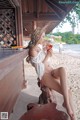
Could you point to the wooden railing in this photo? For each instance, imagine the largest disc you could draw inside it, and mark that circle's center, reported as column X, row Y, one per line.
column 11, row 79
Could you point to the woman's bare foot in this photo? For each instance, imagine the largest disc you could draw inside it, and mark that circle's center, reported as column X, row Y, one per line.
column 70, row 112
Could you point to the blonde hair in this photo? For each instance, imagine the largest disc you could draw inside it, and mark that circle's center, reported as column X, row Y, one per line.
column 35, row 36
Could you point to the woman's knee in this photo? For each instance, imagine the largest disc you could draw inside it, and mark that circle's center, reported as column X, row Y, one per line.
column 61, row 71
column 61, row 68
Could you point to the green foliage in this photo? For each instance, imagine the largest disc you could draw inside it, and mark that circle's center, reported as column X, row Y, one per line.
column 73, row 17
column 77, row 10
column 58, row 40
column 68, row 37
column 47, row 37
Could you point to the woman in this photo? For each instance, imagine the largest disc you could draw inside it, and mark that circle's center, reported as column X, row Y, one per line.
column 55, row 79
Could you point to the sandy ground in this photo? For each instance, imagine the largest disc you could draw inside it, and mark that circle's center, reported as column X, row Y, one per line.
column 31, row 93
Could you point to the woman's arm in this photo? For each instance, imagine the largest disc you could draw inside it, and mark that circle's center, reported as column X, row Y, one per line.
column 31, row 53
column 49, row 54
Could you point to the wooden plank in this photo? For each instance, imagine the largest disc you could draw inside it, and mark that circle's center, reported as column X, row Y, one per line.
column 59, row 6
column 36, row 9
column 11, row 83
column 30, row 5
column 34, row 24
column 41, row 17
column 14, row 3
column 10, row 86
column 17, row 57
column 24, row 6
column 44, row 7
column 54, row 9
column 39, row 7
column 19, row 25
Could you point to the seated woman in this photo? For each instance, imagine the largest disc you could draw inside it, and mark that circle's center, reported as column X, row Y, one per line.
column 54, row 79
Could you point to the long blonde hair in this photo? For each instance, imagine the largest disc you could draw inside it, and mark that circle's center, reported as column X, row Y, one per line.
column 35, row 37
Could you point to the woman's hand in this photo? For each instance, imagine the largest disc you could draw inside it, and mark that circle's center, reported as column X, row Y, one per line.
column 49, row 47
column 28, row 59
column 49, row 52
column 40, row 84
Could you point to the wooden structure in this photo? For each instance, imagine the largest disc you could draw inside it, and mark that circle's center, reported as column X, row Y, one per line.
column 18, row 18
column 11, row 22
column 11, row 79
column 43, row 13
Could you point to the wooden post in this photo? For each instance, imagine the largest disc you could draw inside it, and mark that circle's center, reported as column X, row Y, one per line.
column 34, row 25
column 19, row 25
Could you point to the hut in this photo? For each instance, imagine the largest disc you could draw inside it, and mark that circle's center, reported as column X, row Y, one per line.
column 18, row 18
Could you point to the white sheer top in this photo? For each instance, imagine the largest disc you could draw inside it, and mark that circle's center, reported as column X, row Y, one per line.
column 37, row 62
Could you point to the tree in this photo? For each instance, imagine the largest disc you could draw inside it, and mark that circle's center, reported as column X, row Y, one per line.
column 68, row 37
column 73, row 17
column 77, row 10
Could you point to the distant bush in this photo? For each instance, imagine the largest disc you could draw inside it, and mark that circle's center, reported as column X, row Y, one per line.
column 68, row 37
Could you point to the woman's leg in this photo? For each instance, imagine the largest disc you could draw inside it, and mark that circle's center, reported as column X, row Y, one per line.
column 60, row 72
column 71, row 102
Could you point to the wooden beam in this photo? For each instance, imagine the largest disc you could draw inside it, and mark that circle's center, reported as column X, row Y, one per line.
column 37, row 8
column 19, row 24
column 14, row 3
column 34, row 25
column 54, row 9
column 31, row 16
column 59, row 6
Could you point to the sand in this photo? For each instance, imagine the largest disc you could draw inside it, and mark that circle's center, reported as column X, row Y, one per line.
column 72, row 66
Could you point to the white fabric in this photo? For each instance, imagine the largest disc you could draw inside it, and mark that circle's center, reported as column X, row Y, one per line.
column 40, row 46
column 59, row 100
column 37, row 62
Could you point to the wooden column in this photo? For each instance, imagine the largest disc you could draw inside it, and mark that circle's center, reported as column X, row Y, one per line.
column 34, row 24
column 19, row 25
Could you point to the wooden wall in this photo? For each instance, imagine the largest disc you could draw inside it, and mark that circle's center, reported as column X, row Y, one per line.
column 11, row 80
